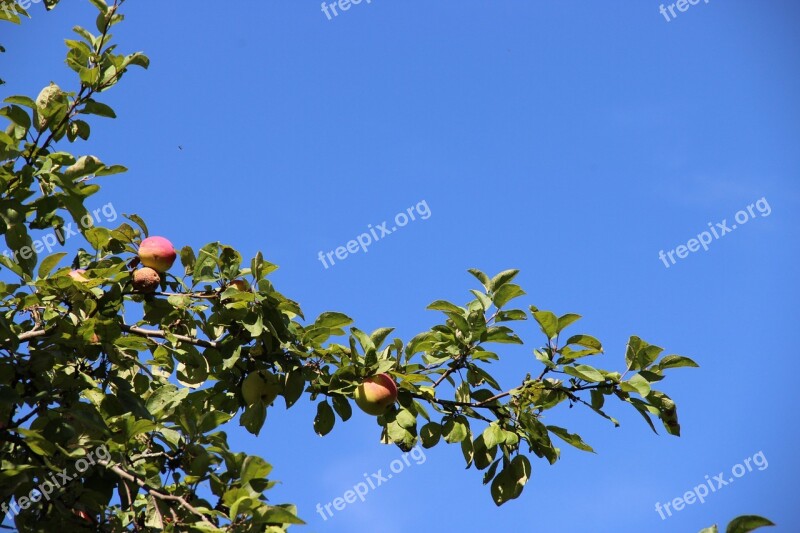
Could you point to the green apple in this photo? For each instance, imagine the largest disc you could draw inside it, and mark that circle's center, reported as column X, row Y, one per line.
column 240, row 284
column 260, row 386
column 376, row 394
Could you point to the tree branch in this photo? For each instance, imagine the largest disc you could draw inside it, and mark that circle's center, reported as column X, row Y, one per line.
column 160, row 334
column 149, row 333
column 155, row 492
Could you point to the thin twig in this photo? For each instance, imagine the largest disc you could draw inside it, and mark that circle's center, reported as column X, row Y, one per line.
column 155, row 492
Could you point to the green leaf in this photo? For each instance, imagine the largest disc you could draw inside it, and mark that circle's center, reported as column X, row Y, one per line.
column 430, row 434
column 511, row 314
column 406, row 419
column 493, row 435
column 278, row 514
column 16, row 114
column 747, row 523
column 484, row 300
column 254, row 468
column 483, row 278
column 570, row 438
column 502, row 335
column 111, row 170
column 93, row 107
column 333, row 320
column 12, row 266
column 100, row 5
column 49, row 263
column 483, row 454
column 639, row 355
column 489, row 475
column 441, row 305
column 468, row 451
column 641, row 407
column 676, row 361
column 566, row 320
column 585, row 372
column 342, row 407
column 206, row 264
column 506, row 293
column 325, row 419
column 508, row 484
column 293, row 387
column 253, row 418
column 18, row 240
column 21, row 100
column 598, row 399
column 502, row 278
column 548, row 322
column 586, row 341
column 187, row 260
column 636, row 383
column 136, row 219
column 165, row 398
column 379, row 336
column 455, row 429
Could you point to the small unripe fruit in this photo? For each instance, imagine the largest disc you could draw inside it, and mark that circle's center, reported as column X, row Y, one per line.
column 260, row 386
column 146, row 280
column 157, row 253
column 240, row 284
column 376, row 394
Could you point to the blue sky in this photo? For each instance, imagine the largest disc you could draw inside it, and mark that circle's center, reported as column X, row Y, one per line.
column 571, row 140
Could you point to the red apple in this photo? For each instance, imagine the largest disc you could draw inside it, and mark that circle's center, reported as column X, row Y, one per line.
column 83, row 515
column 78, row 275
column 157, row 253
column 376, row 394
column 146, row 280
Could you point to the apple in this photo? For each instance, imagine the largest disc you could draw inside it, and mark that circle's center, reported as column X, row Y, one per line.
column 157, row 253
column 83, row 515
column 260, row 386
column 376, row 394
column 78, row 275
column 146, row 280
column 240, row 284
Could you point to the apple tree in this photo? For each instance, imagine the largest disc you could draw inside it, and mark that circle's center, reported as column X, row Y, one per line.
column 213, row 343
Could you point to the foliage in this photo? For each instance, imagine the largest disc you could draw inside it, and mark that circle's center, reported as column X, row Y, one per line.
column 157, row 393
column 741, row 524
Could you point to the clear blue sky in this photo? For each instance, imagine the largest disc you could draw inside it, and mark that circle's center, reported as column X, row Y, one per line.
column 571, row 140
